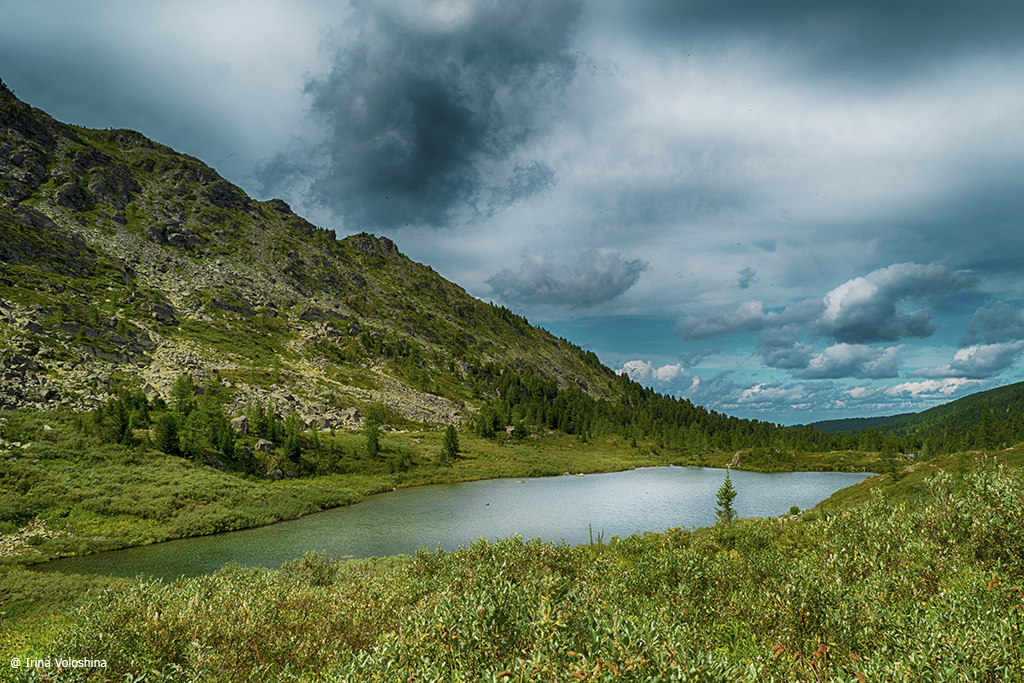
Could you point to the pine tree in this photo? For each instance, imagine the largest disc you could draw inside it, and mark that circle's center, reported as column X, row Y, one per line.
column 372, row 440
column 726, row 494
column 183, row 393
column 450, row 445
column 166, row 433
column 375, row 417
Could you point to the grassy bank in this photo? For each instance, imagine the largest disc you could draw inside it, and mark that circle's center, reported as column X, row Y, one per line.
column 889, row 590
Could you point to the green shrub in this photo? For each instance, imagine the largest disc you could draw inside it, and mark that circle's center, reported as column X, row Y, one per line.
column 16, row 511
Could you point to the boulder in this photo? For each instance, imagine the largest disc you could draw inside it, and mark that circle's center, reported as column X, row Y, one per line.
column 71, row 196
column 241, row 425
column 163, row 313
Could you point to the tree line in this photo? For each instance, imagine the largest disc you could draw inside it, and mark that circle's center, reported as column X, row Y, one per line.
column 526, row 400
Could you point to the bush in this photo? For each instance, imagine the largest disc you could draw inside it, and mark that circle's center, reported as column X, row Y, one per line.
column 312, row 569
column 16, row 511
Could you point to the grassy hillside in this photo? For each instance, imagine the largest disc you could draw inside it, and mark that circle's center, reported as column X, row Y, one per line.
column 1001, row 404
column 855, row 424
column 983, row 409
column 121, row 259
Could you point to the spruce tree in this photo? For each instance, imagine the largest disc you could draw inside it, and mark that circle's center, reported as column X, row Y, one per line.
column 375, row 417
column 372, row 440
column 450, row 445
column 166, row 433
column 726, row 494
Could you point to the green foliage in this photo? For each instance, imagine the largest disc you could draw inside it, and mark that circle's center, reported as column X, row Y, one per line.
column 376, row 414
column 450, row 451
column 15, row 511
column 372, row 440
column 726, row 495
column 375, row 417
column 24, row 592
column 166, row 435
column 183, row 396
column 312, row 569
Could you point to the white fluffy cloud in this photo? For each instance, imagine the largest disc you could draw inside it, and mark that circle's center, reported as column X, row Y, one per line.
column 852, row 360
column 871, row 308
column 863, row 310
column 645, row 372
column 977, row 362
column 945, row 388
column 888, row 304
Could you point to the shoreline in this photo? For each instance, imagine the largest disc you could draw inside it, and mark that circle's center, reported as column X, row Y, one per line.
column 38, row 565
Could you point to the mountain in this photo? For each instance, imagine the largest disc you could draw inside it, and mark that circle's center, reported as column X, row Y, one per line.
column 852, row 425
column 983, row 409
column 123, row 262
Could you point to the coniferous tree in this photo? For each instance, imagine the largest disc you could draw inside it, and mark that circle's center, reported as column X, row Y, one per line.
column 372, row 439
column 726, row 495
column 450, row 446
column 166, row 433
column 116, row 423
column 183, row 393
column 375, row 417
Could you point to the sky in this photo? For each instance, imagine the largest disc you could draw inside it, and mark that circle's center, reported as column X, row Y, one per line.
column 789, row 211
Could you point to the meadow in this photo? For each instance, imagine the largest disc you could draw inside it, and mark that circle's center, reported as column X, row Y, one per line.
column 884, row 591
column 913, row 575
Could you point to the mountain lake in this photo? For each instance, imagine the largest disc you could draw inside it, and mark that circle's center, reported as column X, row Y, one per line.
column 572, row 509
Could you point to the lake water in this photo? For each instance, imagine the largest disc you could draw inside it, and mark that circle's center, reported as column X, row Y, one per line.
column 566, row 508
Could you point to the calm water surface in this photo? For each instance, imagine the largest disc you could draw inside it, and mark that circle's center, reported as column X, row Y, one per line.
column 556, row 509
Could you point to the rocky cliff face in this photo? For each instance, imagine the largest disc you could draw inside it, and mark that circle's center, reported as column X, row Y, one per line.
column 124, row 261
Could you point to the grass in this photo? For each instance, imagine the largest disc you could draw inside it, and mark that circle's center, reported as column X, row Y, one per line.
column 882, row 591
column 915, row 575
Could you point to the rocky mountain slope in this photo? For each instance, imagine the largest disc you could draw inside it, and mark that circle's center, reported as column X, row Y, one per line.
column 122, row 261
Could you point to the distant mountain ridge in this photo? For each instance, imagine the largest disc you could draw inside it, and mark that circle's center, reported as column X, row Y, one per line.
column 855, row 424
column 987, row 420
column 999, row 404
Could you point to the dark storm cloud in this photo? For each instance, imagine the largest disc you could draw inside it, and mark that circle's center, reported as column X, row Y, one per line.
column 747, row 277
column 419, row 107
column 525, row 182
column 597, row 278
column 881, row 39
column 997, row 324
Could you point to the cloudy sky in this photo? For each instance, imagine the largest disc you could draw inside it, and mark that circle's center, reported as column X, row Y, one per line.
column 790, row 211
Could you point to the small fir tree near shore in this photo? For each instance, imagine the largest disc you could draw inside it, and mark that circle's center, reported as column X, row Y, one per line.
column 726, row 494
column 450, row 446
column 375, row 417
